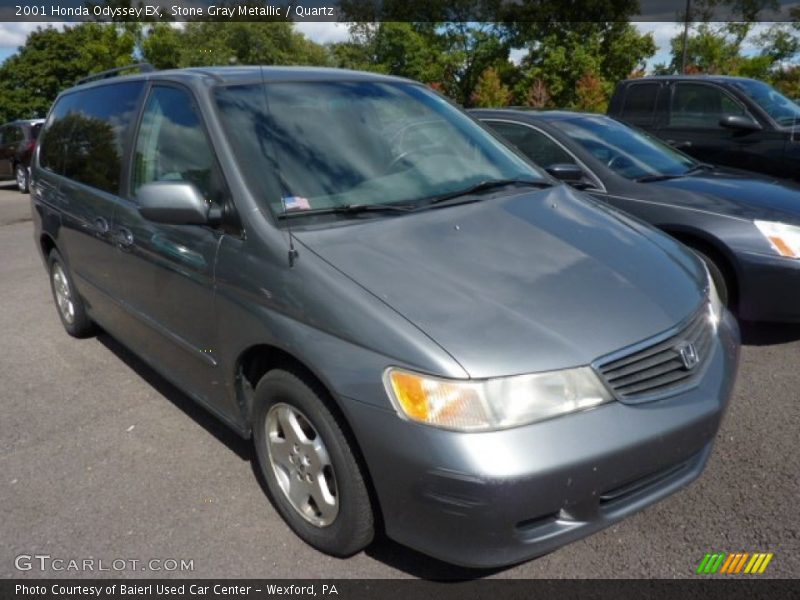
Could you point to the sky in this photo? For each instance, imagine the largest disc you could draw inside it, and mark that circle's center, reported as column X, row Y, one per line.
column 13, row 34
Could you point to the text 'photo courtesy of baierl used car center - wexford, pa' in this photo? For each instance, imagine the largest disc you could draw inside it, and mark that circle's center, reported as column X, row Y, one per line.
column 362, row 299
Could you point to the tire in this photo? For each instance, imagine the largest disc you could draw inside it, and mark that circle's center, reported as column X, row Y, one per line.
column 22, row 177
column 69, row 304
column 291, row 409
column 717, row 276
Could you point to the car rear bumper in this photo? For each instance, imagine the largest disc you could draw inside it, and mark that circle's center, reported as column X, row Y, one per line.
column 769, row 289
column 497, row 498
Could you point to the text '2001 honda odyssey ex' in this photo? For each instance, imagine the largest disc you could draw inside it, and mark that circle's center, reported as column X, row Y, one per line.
column 418, row 327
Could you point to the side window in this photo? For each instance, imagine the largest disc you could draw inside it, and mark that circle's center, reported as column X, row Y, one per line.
column 640, row 103
column 701, row 105
column 172, row 145
column 56, row 135
column 534, row 144
column 85, row 136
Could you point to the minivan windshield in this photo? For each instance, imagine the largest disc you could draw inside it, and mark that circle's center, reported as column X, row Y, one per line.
column 311, row 146
column 625, row 150
column 784, row 111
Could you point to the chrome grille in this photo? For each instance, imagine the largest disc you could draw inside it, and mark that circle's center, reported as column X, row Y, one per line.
column 662, row 366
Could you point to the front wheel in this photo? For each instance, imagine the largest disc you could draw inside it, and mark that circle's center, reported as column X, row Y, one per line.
column 309, row 466
column 23, row 178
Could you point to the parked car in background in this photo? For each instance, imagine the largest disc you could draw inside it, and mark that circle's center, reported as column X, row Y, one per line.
column 417, row 326
column 17, row 140
column 744, row 226
column 733, row 121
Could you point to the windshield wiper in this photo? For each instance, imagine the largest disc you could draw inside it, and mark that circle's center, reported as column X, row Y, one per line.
column 347, row 209
column 486, row 185
column 664, row 176
column 699, row 167
column 659, row 177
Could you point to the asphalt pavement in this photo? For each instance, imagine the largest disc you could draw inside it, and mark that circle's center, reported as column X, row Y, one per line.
column 102, row 460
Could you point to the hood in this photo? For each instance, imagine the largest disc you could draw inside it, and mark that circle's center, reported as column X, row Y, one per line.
column 740, row 194
column 523, row 283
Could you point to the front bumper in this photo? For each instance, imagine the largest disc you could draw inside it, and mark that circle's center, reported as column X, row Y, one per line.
column 769, row 288
column 496, row 498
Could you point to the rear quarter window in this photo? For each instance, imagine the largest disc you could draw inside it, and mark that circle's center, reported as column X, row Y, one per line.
column 85, row 135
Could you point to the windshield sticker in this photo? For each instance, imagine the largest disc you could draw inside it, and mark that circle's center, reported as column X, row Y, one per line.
column 296, row 203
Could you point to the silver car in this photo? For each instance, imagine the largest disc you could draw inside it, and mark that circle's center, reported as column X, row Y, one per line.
column 416, row 326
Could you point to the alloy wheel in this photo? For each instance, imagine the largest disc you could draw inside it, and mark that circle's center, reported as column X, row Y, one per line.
column 63, row 294
column 301, row 464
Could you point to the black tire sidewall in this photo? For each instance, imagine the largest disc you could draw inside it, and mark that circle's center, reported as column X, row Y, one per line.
column 353, row 528
column 717, row 275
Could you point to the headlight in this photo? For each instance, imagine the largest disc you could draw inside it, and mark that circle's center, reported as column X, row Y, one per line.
column 784, row 239
column 479, row 405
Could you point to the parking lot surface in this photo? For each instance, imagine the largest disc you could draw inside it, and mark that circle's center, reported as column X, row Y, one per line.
column 101, row 459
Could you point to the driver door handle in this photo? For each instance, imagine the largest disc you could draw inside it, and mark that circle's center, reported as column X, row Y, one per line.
column 101, row 225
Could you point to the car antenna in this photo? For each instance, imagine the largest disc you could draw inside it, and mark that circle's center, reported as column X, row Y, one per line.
column 293, row 254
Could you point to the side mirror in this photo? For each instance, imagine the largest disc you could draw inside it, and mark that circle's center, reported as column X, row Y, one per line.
column 174, row 203
column 739, row 122
column 566, row 172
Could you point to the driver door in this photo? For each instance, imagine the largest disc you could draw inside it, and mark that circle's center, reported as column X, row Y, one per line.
column 693, row 125
column 167, row 271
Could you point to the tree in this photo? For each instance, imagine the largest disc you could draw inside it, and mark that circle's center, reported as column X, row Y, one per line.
column 718, row 47
column 537, row 95
column 490, row 91
column 452, row 54
column 403, row 49
column 591, row 93
column 52, row 60
column 469, row 49
column 565, row 52
column 206, row 43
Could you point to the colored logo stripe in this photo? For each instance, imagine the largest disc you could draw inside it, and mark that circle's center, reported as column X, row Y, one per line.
column 735, row 563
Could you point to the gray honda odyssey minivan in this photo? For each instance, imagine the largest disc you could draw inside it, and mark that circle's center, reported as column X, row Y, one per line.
column 420, row 330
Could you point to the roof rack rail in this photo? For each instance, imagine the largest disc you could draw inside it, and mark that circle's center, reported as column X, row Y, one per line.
column 143, row 68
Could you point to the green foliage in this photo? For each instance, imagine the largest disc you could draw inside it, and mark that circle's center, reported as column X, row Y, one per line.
column 51, row 60
column 468, row 50
column 566, row 52
column 572, row 53
column 788, row 82
column 715, row 48
column 490, row 91
column 402, row 49
column 451, row 55
column 591, row 93
column 205, row 43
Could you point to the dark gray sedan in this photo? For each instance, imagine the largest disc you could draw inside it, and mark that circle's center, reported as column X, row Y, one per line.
column 745, row 226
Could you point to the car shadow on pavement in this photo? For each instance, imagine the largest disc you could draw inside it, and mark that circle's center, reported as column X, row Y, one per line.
column 420, row 565
column 768, row 334
column 241, row 447
column 382, row 549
